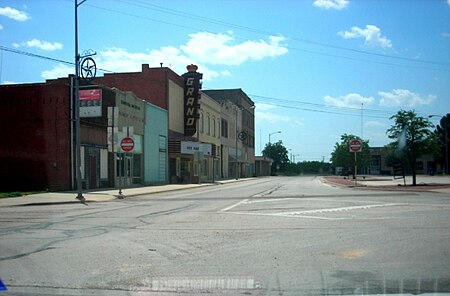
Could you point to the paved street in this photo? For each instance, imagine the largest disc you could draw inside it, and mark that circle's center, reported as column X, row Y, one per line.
column 269, row 236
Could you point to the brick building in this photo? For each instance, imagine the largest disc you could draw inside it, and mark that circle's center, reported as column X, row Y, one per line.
column 164, row 88
column 35, row 129
column 40, row 152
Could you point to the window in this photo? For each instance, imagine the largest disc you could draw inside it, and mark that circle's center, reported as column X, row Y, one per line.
column 201, row 123
column 224, row 129
column 213, row 127
column 207, row 127
column 218, row 129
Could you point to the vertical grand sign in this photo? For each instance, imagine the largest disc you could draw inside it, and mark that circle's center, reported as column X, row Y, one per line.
column 192, row 86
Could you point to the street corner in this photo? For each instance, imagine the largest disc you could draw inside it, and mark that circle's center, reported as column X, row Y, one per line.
column 341, row 181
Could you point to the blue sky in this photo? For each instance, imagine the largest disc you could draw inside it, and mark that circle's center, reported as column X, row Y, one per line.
column 315, row 69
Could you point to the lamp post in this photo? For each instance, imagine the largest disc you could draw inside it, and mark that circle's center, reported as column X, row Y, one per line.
column 277, row 132
column 445, row 140
column 77, row 108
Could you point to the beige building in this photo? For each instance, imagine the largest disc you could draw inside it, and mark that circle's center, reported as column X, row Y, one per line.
column 209, row 132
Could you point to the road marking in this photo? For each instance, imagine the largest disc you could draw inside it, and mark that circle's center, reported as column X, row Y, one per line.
column 232, row 206
column 304, row 214
column 268, row 200
column 342, row 209
column 285, row 215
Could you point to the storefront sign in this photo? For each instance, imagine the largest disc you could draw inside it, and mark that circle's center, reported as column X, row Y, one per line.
column 192, row 86
column 90, row 102
column 194, row 147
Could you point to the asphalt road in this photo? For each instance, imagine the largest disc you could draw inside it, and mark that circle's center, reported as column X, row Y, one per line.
column 271, row 236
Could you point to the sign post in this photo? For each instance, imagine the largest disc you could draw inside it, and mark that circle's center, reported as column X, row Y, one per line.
column 126, row 145
column 355, row 146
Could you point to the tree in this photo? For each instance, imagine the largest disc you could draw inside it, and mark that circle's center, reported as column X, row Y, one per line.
column 412, row 138
column 443, row 136
column 278, row 153
column 342, row 157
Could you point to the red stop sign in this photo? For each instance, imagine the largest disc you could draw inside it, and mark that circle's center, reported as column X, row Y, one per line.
column 355, row 146
column 127, row 144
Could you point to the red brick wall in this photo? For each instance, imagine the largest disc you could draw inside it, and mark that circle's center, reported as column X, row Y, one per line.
column 151, row 84
column 34, row 136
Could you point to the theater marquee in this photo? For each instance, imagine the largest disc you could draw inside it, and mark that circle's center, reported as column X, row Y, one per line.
column 192, row 86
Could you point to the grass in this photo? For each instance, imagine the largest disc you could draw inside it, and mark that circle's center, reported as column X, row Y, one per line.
column 18, row 193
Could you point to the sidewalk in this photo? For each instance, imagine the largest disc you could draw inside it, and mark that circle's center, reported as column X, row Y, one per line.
column 424, row 183
column 100, row 195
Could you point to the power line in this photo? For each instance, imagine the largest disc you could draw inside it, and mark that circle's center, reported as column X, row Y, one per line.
column 321, row 108
column 175, row 12
column 263, row 99
column 25, row 53
column 324, row 111
column 33, row 55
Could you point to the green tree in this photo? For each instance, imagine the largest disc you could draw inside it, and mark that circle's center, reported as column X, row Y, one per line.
column 278, row 153
column 442, row 133
column 412, row 138
column 342, row 157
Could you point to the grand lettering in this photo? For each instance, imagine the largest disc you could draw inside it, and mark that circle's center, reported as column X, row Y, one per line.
column 191, row 95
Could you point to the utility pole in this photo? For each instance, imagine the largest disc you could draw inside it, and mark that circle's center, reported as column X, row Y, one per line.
column 77, row 109
column 236, row 147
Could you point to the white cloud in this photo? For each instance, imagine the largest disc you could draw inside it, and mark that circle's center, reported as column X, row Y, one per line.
column 120, row 60
column 212, row 53
column 264, row 107
column 60, row 70
column 43, row 45
column 9, row 82
column 271, row 117
column 14, row 14
column 374, row 123
column 371, row 34
column 404, row 97
column 217, row 49
column 332, row 4
column 1, row 27
column 352, row 100
column 298, row 122
column 448, row 2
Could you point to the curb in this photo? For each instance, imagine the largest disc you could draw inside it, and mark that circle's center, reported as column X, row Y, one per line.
column 391, row 188
column 116, row 196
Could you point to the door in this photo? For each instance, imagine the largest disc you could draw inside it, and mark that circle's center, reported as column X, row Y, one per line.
column 92, row 172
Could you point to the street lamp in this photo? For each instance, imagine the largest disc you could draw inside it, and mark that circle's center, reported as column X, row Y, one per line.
column 445, row 140
column 77, row 108
column 277, row 132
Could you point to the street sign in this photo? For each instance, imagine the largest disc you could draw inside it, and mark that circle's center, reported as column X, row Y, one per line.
column 355, row 146
column 127, row 144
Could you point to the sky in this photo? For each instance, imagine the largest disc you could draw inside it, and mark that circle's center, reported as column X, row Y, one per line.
column 315, row 69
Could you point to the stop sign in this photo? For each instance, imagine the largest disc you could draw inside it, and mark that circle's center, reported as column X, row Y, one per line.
column 127, row 144
column 355, row 146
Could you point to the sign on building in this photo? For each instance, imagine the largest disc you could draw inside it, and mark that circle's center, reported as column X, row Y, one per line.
column 195, row 147
column 90, row 102
column 192, row 86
